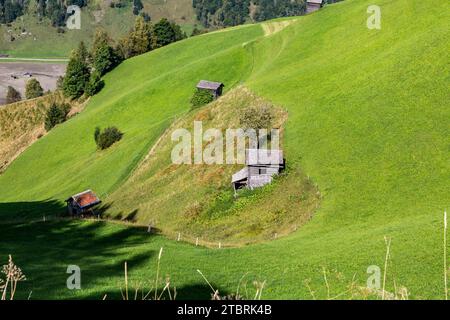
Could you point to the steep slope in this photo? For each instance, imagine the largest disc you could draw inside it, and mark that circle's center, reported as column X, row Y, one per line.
column 368, row 120
column 22, row 123
column 199, row 201
column 136, row 100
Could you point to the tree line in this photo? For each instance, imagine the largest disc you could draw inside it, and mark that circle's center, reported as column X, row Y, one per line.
column 10, row 10
column 223, row 13
column 85, row 68
column 54, row 10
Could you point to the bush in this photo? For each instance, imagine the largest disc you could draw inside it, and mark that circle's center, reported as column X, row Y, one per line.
column 96, row 134
column 33, row 89
column 94, row 85
column 201, row 97
column 56, row 114
column 106, row 138
column 12, row 95
column 256, row 117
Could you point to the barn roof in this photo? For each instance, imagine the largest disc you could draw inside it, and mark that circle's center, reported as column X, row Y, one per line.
column 85, row 199
column 240, row 175
column 314, row 1
column 264, row 157
column 210, row 85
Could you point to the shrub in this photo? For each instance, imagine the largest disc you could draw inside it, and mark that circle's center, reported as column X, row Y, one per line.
column 201, row 97
column 33, row 89
column 56, row 114
column 94, row 85
column 96, row 134
column 106, row 138
column 12, row 95
column 256, row 117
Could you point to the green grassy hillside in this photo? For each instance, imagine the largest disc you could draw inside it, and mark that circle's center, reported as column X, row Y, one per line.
column 45, row 42
column 198, row 201
column 368, row 121
column 138, row 103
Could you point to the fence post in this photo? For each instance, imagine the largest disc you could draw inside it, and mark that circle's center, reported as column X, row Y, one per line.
column 179, row 236
column 196, row 242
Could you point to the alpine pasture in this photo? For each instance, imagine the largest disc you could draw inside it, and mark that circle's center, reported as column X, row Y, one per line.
column 368, row 122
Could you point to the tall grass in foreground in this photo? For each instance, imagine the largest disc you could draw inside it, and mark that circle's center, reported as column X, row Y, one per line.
column 161, row 290
column 13, row 274
column 400, row 293
column 153, row 293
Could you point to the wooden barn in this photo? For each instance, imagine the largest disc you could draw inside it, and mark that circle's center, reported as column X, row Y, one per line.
column 82, row 202
column 261, row 166
column 214, row 87
column 313, row 5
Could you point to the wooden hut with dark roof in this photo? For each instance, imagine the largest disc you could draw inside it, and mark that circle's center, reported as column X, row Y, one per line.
column 313, row 5
column 214, row 87
column 261, row 166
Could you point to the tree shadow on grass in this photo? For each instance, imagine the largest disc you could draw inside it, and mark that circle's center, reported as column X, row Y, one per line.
column 14, row 211
column 44, row 250
column 190, row 292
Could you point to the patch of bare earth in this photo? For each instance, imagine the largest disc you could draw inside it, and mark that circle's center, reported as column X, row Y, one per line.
column 16, row 74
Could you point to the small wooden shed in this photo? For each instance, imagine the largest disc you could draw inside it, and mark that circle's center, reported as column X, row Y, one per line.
column 261, row 166
column 313, row 5
column 214, row 87
column 82, row 202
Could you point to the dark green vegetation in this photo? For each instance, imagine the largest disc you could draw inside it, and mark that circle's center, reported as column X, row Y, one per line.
column 368, row 122
column 56, row 114
column 145, row 37
column 77, row 74
column 201, row 98
column 10, row 10
column 94, row 85
column 33, row 89
column 85, row 69
column 12, row 95
column 236, row 12
column 107, row 137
